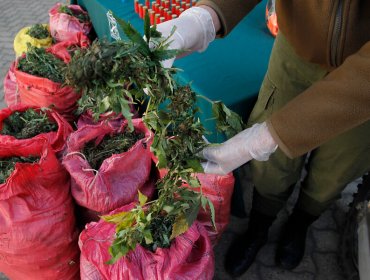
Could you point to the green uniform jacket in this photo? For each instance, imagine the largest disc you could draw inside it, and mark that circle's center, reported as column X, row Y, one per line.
column 334, row 34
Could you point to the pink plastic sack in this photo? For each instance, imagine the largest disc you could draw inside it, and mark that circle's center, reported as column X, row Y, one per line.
column 189, row 257
column 113, row 118
column 120, row 176
column 11, row 94
column 64, row 27
column 38, row 237
column 64, row 49
column 218, row 189
column 85, row 215
column 87, row 119
column 56, row 139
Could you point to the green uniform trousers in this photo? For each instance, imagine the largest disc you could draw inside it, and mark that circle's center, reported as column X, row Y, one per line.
column 329, row 168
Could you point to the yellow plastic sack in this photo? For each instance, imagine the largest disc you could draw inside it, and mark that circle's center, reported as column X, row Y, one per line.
column 22, row 38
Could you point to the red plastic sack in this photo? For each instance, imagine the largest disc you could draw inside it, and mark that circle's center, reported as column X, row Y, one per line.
column 63, row 49
column 218, row 189
column 11, row 94
column 42, row 92
column 120, row 176
column 38, row 237
column 64, row 27
column 56, row 139
column 85, row 216
column 87, row 119
column 189, row 257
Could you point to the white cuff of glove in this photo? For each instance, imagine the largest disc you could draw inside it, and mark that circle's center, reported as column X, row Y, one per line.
column 264, row 145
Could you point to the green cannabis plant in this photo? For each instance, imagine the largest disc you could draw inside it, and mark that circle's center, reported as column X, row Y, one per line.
column 40, row 63
column 177, row 139
column 38, row 31
column 113, row 75
column 111, row 144
column 27, row 124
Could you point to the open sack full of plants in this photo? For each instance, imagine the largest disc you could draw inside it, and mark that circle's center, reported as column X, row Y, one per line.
column 67, row 21
column 40, row 78
column 37, row 35
column 11, row 94
column 109, row 164
column 25, row 125
column 190, row 256
column 38, row 237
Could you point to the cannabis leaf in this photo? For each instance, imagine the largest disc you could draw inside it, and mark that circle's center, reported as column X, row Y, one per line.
column 227, row 121
column 134, row 36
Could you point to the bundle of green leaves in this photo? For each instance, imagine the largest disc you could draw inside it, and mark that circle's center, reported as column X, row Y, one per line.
column 7, row 165
column 82, row 17
column 115, row 74
column 27, row 124
column 40, row 63
column 177, row 139
column 38, row 31
column 227, row 121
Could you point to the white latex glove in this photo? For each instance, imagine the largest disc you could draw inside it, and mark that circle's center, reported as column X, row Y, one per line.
column 255, row 142
column 194, row 31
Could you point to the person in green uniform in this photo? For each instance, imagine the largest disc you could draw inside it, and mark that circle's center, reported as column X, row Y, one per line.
column 313, row 110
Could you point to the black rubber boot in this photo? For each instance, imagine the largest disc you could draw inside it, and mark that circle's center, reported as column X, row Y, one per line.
column 291, row 246
column 244, row 249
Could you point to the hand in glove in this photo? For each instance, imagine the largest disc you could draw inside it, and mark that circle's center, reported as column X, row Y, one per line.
column 194, row 30
column 255, row 142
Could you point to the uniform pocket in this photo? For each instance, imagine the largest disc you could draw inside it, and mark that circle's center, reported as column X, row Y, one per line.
column 265, row 102
column 266, row 94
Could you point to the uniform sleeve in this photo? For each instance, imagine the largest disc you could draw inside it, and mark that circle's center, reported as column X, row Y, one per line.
column 331, row 106
column 230, row 12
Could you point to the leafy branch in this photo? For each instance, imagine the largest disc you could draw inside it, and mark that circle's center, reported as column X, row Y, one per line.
column 115, row 75
column 178, row 136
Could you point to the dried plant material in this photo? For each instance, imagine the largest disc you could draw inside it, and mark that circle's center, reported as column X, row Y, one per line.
column 38, row 31
column 40, row 63
column 27, row 124
column 110, row 145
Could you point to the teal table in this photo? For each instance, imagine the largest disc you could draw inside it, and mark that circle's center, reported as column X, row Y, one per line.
column 230, row 70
